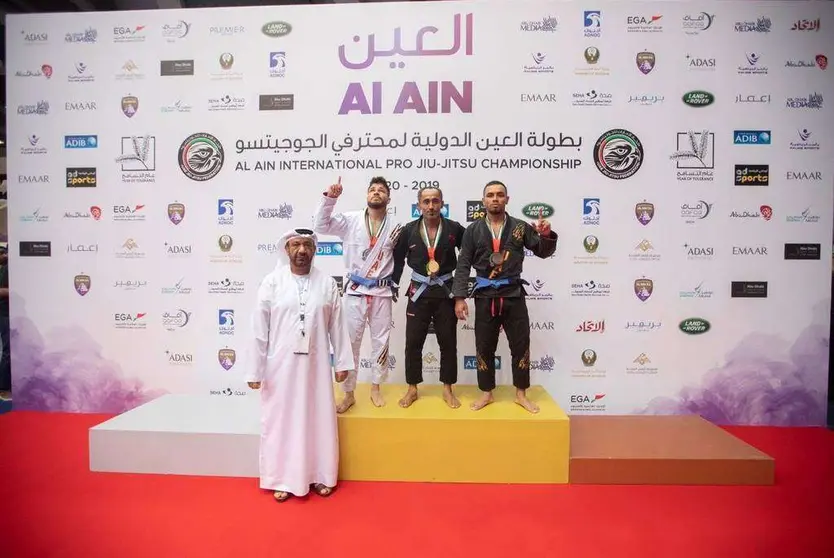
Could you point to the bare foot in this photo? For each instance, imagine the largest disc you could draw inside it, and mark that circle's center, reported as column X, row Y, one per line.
column 409, row 397
column 346, row 403
column 521, row 399
column 449, row 397
column 376, row 396
column 483, row 401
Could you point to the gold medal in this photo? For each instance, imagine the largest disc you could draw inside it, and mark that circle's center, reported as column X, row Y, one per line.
column 433, row 267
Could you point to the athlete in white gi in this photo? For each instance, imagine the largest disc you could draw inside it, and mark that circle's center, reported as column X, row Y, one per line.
column 368, row 238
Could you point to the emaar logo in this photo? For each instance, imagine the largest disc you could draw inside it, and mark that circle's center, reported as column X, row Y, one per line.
column 751, row 137
column 470, row 362
column 415, row 210
column 80, row 142
column 329, row 249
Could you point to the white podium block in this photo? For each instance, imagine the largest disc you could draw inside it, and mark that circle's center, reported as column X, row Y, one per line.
column 200, row 435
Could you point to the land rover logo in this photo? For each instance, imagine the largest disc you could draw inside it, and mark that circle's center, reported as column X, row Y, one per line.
column 532, row 210
column 694, row 326
column 276, row 29
column 698, row 98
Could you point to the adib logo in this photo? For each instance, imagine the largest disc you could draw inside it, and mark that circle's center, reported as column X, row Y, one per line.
column 329, row 249
column 80, row 142
column 751, row 137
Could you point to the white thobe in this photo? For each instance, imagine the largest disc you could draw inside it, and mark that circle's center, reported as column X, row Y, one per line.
column 299, row 435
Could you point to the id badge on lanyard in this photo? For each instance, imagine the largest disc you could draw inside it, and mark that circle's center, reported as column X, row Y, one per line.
column 302, row 336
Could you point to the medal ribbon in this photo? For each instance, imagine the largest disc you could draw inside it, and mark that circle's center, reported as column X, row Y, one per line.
column 496, row 239
column 431, row 246
column 374, row 235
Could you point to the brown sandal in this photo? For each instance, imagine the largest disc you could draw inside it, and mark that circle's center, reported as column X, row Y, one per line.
column 281, row 496
column 322, row 490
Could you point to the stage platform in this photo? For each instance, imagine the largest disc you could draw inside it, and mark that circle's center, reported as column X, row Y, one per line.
column 662, row 450
column 429, row 442
column 502, row 443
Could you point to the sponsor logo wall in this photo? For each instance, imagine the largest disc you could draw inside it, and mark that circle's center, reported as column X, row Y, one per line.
column 683, row 152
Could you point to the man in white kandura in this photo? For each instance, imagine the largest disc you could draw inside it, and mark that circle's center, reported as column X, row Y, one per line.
column 368, row 238
column 297, row 319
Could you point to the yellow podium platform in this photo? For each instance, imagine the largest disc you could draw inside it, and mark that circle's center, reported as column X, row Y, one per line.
column 429, row 442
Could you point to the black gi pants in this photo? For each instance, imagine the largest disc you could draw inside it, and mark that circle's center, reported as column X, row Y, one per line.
column 418, row 317
column 490, row 315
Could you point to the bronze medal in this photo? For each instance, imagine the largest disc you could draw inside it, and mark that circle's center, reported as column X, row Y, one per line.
column 496, row 258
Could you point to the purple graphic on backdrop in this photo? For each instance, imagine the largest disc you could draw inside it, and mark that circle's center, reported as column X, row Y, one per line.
column 432, row 98
column 763, row 382
column 64, row 370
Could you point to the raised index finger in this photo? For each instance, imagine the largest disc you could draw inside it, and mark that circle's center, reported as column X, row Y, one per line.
column 339, row 182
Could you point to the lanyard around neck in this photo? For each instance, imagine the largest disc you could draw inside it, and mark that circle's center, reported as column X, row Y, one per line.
column 303, row 295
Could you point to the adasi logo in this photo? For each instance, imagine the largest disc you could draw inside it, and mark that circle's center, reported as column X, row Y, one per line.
column 694, row 326
column 536, row 210
column 618, row 154
column 698, row 98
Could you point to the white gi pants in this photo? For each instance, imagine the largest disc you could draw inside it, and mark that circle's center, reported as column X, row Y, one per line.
column 376, row 311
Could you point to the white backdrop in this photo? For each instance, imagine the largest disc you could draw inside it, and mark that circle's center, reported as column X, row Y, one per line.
column 156, row 156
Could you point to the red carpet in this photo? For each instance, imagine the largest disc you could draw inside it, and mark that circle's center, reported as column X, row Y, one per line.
column 52, row 506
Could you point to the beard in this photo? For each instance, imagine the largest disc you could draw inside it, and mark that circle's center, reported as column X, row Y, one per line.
column 302, row 261
column 376, row 204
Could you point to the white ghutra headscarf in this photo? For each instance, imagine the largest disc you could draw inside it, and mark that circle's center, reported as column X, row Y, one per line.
column 283, row 258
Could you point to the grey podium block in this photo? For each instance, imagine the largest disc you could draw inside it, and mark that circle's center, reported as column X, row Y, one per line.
column 202, row 435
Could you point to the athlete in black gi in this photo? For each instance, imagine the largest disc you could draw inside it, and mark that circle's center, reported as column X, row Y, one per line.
column 494, row 246
column 428, row 244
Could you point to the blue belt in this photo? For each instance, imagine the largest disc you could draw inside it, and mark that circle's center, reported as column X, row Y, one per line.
column 483, row 282
column 429, row 282
column 366, row 282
